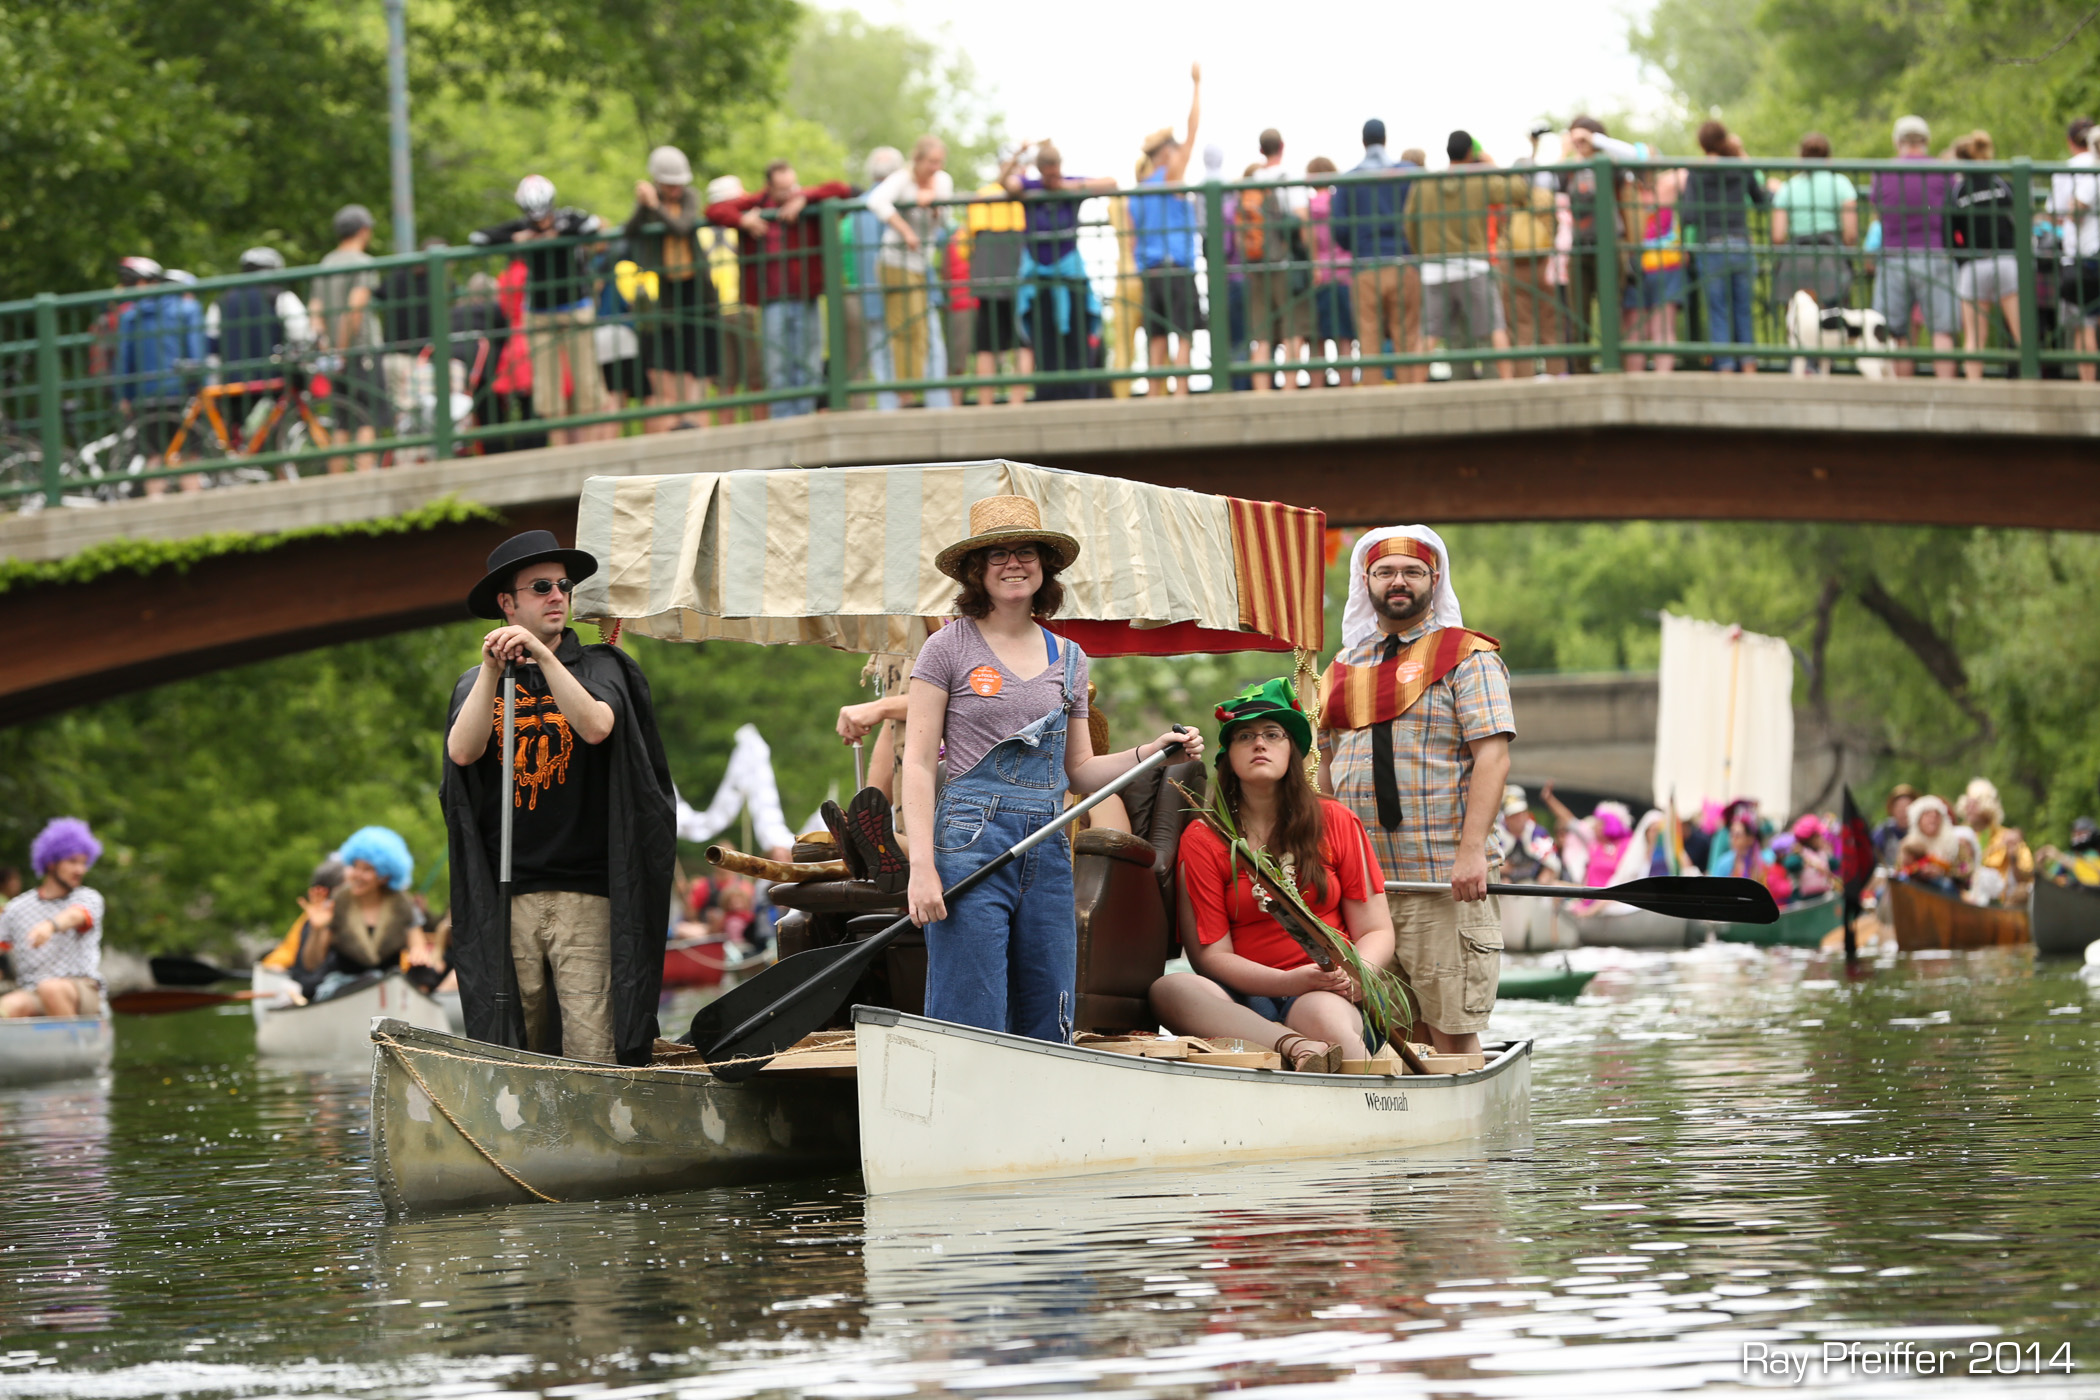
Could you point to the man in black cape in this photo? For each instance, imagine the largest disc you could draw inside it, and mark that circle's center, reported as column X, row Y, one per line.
column 576, row 968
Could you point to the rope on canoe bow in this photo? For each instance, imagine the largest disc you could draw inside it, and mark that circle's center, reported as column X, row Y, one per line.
column 401, row 1055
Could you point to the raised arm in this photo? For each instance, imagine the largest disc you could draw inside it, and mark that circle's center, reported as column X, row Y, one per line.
column 1178, row 166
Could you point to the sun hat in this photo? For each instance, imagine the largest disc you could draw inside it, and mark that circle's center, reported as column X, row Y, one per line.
column 1005, row 520
column 668, row 166
column 1271, row 699
column 1514, row 799
column 514, row 554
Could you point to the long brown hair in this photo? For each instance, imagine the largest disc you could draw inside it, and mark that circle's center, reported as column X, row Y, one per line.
column 975, row 600
column 1300, row 828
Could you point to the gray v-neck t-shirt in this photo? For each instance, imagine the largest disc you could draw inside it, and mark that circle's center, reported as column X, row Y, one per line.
column 987, row 702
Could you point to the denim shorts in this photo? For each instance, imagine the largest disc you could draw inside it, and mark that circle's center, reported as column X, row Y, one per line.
column 1907, row 279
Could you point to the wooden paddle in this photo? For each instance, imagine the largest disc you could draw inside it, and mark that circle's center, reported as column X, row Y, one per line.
column 159, row 1001
column 189, row 972
column 1724, row 899
column 758, row 1019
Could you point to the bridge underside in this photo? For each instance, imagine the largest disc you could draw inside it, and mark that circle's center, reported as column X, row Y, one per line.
column 1688, row 448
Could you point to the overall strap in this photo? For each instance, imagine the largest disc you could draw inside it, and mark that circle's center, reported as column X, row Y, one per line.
column 1071, row 669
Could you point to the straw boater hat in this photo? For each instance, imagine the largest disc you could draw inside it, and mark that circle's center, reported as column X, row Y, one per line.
column 1005, row 521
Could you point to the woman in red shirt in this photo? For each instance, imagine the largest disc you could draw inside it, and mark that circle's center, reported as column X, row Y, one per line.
column 1252, row 979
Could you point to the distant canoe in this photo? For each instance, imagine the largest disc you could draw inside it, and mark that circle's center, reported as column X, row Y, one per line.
column 1803, row 925
column 2063, row 918
column 46, row 1049
column 1925, row 918
column 693, row 962
column 577, row 1131
column 1542, row 983
column 1534, row 925
column 1639, row 928
column 339, row 1030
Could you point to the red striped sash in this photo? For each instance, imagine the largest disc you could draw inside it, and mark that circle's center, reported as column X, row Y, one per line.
column 1352, row 697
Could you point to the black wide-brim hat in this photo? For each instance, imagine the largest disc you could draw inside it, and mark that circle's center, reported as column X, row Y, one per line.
column 532, row 547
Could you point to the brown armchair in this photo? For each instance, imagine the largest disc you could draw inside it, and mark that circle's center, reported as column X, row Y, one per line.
column 1123, row 887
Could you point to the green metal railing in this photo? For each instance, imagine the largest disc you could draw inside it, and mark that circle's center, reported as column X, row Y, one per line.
column 1208, row 288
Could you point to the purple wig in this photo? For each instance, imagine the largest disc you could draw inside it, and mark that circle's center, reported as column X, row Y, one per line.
column 63, row 837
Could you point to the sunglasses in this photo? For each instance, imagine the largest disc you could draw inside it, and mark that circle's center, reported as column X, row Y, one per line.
column 544, row 586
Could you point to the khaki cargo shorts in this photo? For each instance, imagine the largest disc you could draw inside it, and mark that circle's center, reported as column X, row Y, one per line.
column 1450, row 956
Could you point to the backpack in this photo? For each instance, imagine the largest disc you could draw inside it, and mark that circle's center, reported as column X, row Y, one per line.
column 1269, row 231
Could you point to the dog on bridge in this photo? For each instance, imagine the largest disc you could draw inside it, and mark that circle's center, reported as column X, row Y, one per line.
column 1810, row 327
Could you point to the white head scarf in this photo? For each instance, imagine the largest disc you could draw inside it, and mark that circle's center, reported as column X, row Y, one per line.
column 1359, row 621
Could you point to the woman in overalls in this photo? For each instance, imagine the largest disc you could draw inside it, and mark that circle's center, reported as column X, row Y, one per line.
column 1008, row 699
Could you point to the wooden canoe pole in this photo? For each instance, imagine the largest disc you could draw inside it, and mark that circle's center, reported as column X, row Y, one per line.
column 781, row 872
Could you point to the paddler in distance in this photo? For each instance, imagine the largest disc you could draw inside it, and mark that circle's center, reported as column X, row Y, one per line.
column 594, row 822
column 1417, row 722
column 1003, row 692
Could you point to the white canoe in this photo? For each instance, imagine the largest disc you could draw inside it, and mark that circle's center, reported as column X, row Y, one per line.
column 947, row 1105
column 1535, row 925
column 45, row 1049
column 339, row 1030
column 1637, row 928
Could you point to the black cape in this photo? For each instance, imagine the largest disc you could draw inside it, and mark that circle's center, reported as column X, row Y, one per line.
column 641, row 846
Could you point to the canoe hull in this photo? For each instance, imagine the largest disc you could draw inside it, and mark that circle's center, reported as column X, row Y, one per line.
column 945, row 1105
column 583, row 1132
column 339, row 1031
column 1926, row 919
column 1640, row 929
column 1542, row 983
column 1535, row 926
column 1803, row 925
column 2062, row 919
column 694, row 965
column 48, row 1049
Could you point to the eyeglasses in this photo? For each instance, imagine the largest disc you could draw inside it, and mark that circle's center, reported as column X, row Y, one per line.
column 1411, row 574
column 1026, row 554
column 544, row 586
column 1267, row 734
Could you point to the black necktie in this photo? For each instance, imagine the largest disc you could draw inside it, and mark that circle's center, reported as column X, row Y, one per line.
column 1383, row 781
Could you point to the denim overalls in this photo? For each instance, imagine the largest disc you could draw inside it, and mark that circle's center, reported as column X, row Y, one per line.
column 1006, row 957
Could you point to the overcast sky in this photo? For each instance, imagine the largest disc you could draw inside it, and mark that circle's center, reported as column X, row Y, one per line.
column 1098, row 74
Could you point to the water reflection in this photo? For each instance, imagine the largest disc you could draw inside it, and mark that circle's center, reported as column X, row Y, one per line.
column 1730, row 1148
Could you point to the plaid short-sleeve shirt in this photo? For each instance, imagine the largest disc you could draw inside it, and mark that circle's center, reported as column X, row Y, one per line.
column 1431, row 763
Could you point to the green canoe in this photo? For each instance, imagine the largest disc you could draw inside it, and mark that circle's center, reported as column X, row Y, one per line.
column 1542, row 983
column 1803, row 925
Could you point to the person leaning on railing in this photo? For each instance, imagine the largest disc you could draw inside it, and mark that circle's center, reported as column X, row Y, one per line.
column 1447, row 222
column 1815, row 217
column 782, row 255
column 1369, row 222
column 1914, row 276
column 560, row 306
column 867, row 326
column 1332, row 317
column 681, row 349
column 1057, row 325
column 2074, row 198
column 1529, row 239
column 1716, row 204
column 1163, row 228
column 914, row 225
column 1984, row 234
column 1586, row 140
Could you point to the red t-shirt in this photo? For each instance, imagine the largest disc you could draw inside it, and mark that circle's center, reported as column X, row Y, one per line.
column 1351, row 872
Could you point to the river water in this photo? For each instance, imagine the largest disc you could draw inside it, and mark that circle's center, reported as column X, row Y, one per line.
column 1735, row 1153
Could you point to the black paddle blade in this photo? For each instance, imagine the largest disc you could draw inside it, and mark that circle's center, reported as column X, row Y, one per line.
column 188, row 972
column 1721, row 900
column 790, row 1000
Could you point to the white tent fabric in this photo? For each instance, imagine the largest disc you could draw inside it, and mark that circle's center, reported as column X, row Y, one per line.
column 749, row 781
column 1724, row 724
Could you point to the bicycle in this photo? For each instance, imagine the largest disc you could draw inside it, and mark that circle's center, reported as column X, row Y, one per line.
column 287, row 417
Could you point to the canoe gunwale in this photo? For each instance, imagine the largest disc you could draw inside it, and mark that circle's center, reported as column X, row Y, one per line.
column 93, row 1042
column 1510, row 1053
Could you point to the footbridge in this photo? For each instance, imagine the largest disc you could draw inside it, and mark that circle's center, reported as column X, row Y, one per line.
column 1692, row 447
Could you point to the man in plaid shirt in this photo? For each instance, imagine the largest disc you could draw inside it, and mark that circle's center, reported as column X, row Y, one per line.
column 1417, row 721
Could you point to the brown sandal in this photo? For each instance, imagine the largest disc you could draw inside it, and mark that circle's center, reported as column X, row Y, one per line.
column 1326, row 1061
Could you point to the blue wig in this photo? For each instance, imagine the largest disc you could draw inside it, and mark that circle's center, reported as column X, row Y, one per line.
column 383, row 849
column 63, row 837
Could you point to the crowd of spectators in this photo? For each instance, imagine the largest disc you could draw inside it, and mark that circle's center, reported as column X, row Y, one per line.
column 1373, row 273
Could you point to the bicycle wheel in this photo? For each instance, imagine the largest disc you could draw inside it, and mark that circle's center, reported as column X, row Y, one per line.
column 21, row 465
column 339, row 416
column 147, row 439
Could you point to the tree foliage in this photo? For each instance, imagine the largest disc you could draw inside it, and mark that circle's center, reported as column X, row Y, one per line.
column 1850, row 67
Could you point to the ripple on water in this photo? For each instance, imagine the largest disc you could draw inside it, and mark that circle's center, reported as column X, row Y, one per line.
column 1734, row 1149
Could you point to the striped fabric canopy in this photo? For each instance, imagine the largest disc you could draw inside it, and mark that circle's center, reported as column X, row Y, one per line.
column 844, row 557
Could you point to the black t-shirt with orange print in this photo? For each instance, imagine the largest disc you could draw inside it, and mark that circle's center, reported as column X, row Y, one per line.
column 558, row 830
